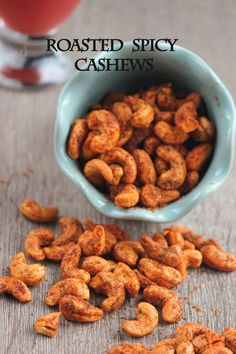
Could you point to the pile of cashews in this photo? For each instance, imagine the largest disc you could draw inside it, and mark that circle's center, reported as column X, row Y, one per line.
column 101, row 258
column 144, row 149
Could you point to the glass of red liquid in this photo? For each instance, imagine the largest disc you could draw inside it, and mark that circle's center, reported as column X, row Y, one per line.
column 25, row 26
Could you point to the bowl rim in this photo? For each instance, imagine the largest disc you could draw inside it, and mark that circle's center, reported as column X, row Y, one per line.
column 172, row 211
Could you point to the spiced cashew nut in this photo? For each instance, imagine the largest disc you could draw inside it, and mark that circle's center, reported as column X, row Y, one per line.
column 36, row 212
column 16, row 288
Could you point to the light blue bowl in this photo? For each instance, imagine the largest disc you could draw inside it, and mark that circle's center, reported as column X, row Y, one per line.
column 185, row 70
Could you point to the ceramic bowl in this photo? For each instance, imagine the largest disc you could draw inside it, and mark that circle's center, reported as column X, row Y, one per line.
column 185, row 70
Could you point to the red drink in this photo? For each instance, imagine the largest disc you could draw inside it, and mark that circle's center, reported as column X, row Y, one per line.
column 35, row 17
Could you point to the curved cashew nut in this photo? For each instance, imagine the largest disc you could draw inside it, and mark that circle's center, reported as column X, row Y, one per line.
column 56, row 253
column 127, row 197
column 171, row 306
column 175, row 176
column 184, row 347
column 190, row 330
column 143, row 112
column 78, row 310
column 143, row 280
column 117, row 231
column 190, row 182
column 97, row 171
column 107, row 130
column 69, row 265
column 48, row 324
column 150, row 144
column 146, row 322
column 70, row 229
column 170, row 134
column 108, row 284
column 217, row 259
column 96, row 264
column 139, row 135
column 128, row 252
column 128, row 278
column 122, row 157
column 123, row 114
column 230, row 338
column 160, row 239
column 198, row 156
column 206, row 130
column 186, row 117
column 128, row 348
column 38, row 213
column 77, row 135
column 160, row 274
column 145, row 168
column 217, row 350
column 160, row 165
column 166, row 346
column 207, row 340
column 117, row 172
column 30, row 274
column 153, row 197
column 69, row 286
column 35, row 240
column 174, row 238
column 16, row 288
column 86, row 152
column 165, row 98
column 92, row 243
column 189, row 258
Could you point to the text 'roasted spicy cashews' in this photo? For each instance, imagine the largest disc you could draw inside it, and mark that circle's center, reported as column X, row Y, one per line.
column 145, row 168
column 123, row 114
column 128, row 348
column 167, row 299
column 152, row 196
column 217, row 259
column 159, row 273
column 16, row 288
column 96, row 264
column 30, row 274
column 35, row 241
column 93, row 242
column 48, row 324
column 186, row 117
column 69, row 286
column 69, row 265
column 170, row 134
column 38, row 213
column 77, row 135
column 198, row 156
column 78, row 310
column 128, row 278
column 127, row 197
column 143, row 112
column 128, row 252
column 122, row 157
column 108, row 284
column 107, row 130
column 175, row 176
column 146, row 321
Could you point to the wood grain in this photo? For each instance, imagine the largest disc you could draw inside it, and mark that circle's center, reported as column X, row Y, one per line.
column 29, row 169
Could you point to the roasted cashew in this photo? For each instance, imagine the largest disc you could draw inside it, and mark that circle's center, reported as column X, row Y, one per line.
column 69, row 286
column 78, row 310
column 128, row 252
column 145, row 168
column 174, row 238
column 170, row 134
column 166, row 346
column 77, row 135
column 186, row 117
column 171, row 306
column 175, row 176
column 128, row 278
column 30, row 274
column 189, row 258
column 206, row 130
column 161, row 166
column 95, row 264
column 56, row 253
column 160, row 274
column 16, row 288
column 184, row 347
column 69, row 265
column 48, row 324
column 160, row 239
column 107, row 130
column 206, row 341
column 117, row 231
column 150, row 144
column 143, row 112
column 111, row 98
column 217, row 350
column 217, row 259
column 146, row 322
column 92, row 243
column 35, row 240
column 230, row 338
column 70, row 229
column 122, row 157
column 128, row 348
column 117, row 172
column 108, row 284
column 123, row 114
column 165, row 97
column 153, row 197
column 128, row 196
column 143, row 280
column 198, row 156
column 139, row 135
column 86, row 152
column 38, row 213
column 188, row 245
column 97, row 171
column 189, row 330
column 190, row 182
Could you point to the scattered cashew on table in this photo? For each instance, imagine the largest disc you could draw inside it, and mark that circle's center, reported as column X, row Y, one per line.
column 101, row 258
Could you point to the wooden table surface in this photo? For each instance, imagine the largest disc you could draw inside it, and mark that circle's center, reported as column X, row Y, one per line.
column 29, row 170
